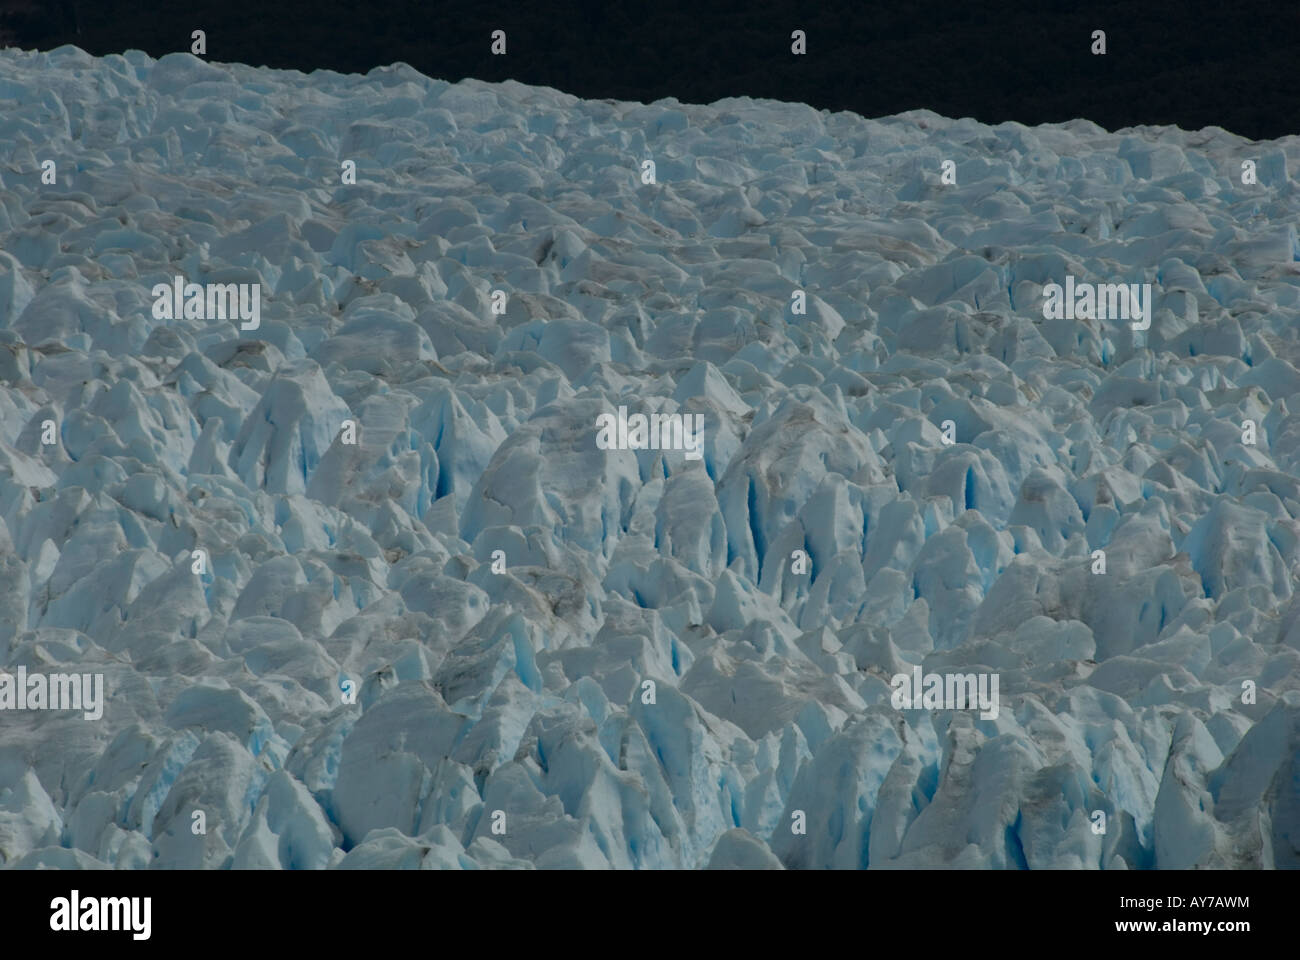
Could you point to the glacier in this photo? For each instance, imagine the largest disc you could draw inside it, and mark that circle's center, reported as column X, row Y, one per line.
column 366, row 592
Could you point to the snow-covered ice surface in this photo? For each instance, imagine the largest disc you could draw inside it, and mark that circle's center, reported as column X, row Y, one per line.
column 522, row 691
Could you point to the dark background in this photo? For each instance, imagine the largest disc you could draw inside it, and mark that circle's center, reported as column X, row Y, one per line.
column 1192, row 63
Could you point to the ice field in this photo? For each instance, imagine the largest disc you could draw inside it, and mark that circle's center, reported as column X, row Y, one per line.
column 364, row 589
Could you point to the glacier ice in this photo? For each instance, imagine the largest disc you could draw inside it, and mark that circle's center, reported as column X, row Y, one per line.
column 475, row 639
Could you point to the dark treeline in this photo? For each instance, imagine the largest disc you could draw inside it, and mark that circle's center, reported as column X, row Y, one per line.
column 1192, row 63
